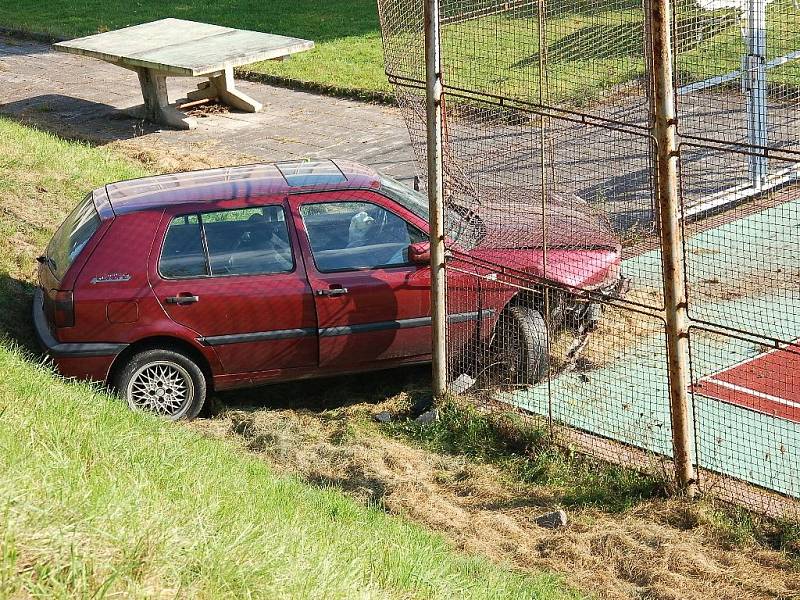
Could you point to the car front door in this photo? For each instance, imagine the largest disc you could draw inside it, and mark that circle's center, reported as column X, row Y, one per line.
column 235, row 279
column 372, row 303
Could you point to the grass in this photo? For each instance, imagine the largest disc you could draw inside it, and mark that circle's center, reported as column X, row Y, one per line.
column 736, row 527
column 590, row 48
column 523, row 447
column 98, row 501
column 463, row 477
column 518, row 445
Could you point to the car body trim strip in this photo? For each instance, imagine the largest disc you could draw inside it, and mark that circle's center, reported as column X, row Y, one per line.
column 286, row 334
column 258, row 336
column 400, row 324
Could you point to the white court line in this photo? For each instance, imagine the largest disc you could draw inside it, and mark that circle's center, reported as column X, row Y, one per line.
column 793, row 347
column 719, row 79
column 739, row 388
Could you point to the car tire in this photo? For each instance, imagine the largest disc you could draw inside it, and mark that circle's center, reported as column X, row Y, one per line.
column 165, row 382
column 521, row 344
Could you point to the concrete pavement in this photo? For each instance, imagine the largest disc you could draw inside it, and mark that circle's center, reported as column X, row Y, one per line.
column 81, row 97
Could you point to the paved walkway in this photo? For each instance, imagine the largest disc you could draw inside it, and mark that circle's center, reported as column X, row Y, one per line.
column 81, row 97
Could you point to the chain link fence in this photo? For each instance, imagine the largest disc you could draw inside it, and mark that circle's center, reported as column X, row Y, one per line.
column 552, row 223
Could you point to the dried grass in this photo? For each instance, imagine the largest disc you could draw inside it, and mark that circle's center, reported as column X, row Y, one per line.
column 620, row 331
column 163, row 157
column 661, row 549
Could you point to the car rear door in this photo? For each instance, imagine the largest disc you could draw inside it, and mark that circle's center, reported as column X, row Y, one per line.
column 372, row 304
column 233, row 277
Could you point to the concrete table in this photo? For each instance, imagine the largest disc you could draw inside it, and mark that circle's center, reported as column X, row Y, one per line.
column 179, row 48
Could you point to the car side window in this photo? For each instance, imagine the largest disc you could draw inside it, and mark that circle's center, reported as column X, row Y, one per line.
column 348, row 236
column 182, row 254
column 250, row 241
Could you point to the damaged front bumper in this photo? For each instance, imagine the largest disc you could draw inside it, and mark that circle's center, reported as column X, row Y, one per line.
column 618, row 289
column 583, row 314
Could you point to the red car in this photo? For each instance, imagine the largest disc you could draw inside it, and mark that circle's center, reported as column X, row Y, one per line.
column 168, row 287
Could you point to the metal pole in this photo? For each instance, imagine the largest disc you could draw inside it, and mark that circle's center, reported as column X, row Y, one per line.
column 433, row 110
column 754, row 76
column 665, row 131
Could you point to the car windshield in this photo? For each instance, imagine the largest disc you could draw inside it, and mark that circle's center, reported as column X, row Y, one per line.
column 411, row 199
column 460, row 224
column 71, row 238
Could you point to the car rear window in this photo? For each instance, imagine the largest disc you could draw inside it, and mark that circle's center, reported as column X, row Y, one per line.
column 72, row 237
column 301, row 173
column 183, row 254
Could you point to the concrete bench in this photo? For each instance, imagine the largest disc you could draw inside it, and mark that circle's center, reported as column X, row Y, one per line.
column 179, row 48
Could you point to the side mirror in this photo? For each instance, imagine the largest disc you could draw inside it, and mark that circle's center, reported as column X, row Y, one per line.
column 420, row 253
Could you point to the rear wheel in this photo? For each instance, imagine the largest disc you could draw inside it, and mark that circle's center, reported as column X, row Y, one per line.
column 521, row 345
column 165, row 382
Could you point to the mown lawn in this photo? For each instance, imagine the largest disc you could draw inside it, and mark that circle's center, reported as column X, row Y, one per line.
column 97, row 501
column 590, row 47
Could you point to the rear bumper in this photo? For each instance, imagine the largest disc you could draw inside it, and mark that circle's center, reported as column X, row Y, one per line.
column 83, row 360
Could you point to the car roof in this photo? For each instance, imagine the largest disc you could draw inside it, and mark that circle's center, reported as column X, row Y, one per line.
column 228, row 183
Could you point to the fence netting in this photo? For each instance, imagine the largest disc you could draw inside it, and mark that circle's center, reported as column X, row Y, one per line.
column 552, row 224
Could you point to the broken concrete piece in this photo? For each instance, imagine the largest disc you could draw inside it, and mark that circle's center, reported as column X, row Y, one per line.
column 383, row 417
column 552, row 520
column 427, row 417
column 461, row 384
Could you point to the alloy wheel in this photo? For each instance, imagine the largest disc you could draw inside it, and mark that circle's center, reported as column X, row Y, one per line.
column 162, row 387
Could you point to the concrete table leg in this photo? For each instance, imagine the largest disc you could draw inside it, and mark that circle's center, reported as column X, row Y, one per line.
column 223, row 87
column 156, row 104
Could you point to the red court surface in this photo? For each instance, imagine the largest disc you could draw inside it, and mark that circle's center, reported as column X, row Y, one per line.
column 768, row 383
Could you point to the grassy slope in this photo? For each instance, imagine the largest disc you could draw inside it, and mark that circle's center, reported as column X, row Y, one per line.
column 622, row 541
column 95, row 499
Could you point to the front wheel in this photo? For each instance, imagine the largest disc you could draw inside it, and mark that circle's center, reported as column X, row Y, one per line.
column 165, row 382
column 521, row 345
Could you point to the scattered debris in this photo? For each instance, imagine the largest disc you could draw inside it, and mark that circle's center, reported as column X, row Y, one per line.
column 383, row 417
column 462, row 383
column 427, row 417
column 552, row 520
column 242, row 424
column 421, row 406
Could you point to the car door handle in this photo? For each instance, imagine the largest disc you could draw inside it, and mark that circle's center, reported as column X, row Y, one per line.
column 339, row 291
column 183, row 299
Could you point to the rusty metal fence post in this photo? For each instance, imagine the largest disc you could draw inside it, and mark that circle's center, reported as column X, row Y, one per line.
column 433, row 110
column 675, row 301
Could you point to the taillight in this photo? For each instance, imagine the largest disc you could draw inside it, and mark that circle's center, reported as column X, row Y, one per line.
column 63, row 309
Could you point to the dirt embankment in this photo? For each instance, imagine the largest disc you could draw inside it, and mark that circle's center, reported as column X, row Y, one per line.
column 661, row 549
